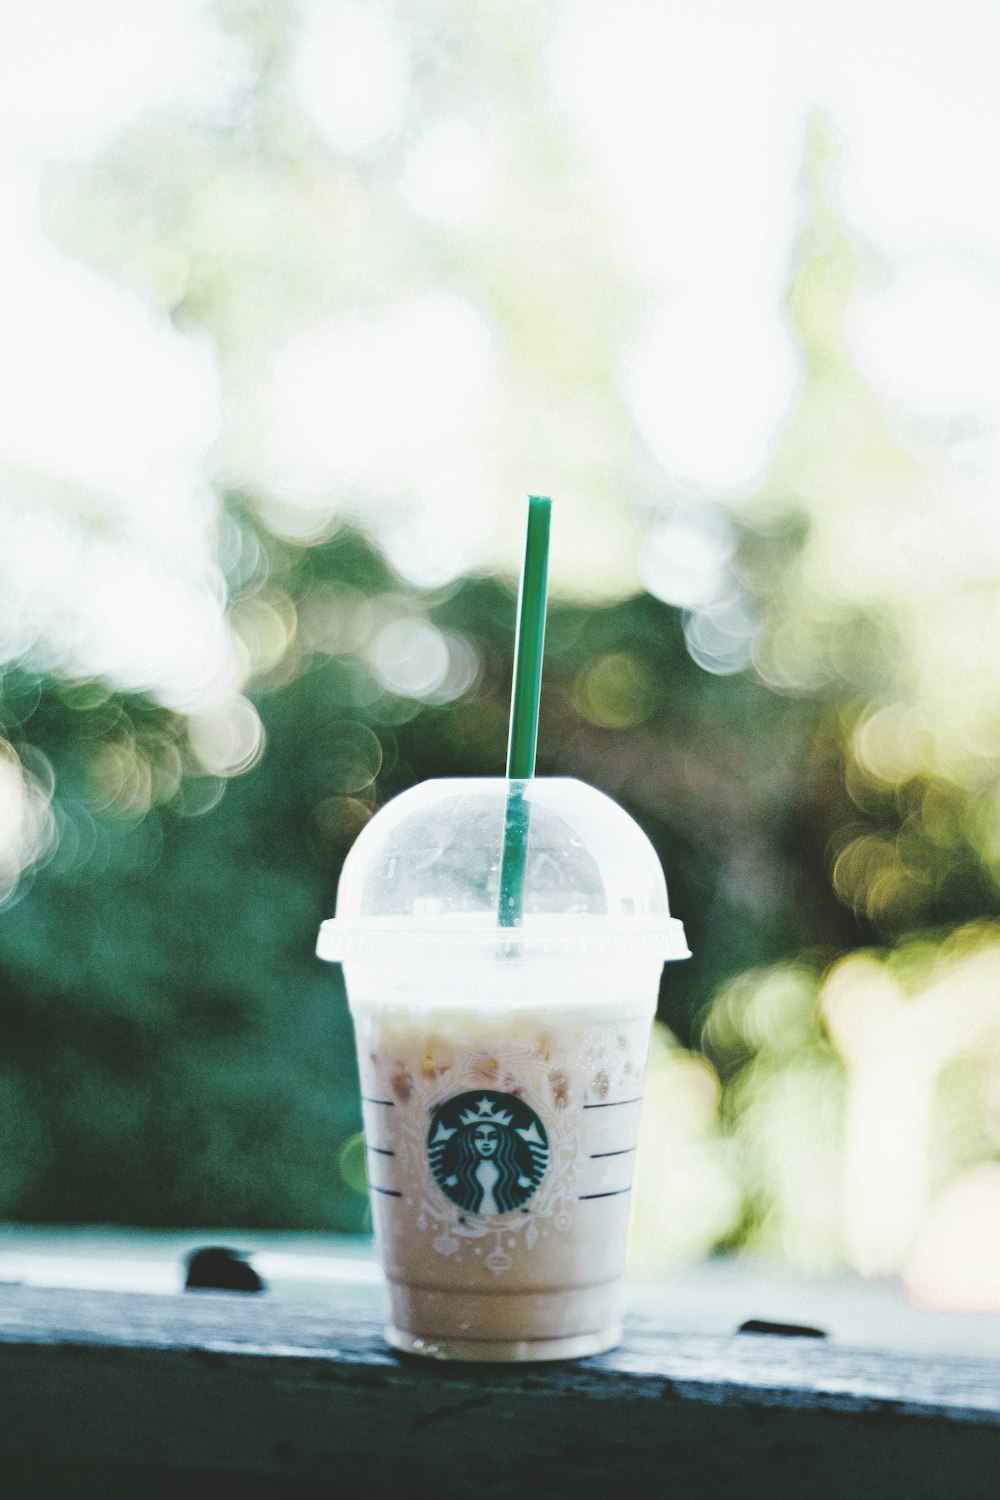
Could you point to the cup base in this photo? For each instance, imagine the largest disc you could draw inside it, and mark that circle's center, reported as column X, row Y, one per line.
column 504, row 1351
column 509, row 1326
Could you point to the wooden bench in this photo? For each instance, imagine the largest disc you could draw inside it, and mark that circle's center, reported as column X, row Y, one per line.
column 112, row 1395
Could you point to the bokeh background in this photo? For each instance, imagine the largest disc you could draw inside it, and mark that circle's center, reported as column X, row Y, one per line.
column 299, row 301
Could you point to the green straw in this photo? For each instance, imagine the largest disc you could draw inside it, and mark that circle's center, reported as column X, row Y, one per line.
column 524, row 700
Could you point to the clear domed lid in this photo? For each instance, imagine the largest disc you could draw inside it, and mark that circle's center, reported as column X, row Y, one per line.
column 428, row 867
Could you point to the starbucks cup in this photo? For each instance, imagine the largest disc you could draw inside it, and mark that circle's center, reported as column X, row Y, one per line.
column 502, row 1066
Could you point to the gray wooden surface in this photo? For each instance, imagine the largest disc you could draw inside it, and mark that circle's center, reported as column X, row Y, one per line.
column 715, row 1296
column 111, row 1394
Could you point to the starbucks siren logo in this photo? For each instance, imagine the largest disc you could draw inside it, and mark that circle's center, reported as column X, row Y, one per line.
column 488, row 1151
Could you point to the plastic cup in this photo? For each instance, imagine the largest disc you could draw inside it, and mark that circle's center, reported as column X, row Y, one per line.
column 502, row 1067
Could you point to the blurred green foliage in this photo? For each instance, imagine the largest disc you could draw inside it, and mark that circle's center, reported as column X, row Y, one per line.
column 173, row 1052
column 182, row 1055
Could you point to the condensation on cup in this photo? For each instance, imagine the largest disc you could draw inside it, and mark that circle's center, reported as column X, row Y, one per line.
column 502, row 1067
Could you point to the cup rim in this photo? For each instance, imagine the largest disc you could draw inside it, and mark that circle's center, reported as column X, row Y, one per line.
column 389, row 939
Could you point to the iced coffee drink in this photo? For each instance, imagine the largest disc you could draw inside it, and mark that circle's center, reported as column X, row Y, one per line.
column 500, row 1165
column 501, row 1070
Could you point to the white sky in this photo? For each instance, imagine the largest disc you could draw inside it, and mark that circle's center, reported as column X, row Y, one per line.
column 95, row 388
column 694, row 113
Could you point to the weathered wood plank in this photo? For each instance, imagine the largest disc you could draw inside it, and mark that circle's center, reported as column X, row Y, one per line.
column 125, row 1394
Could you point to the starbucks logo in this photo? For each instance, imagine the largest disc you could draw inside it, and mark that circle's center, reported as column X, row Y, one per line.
column 488, row 1151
